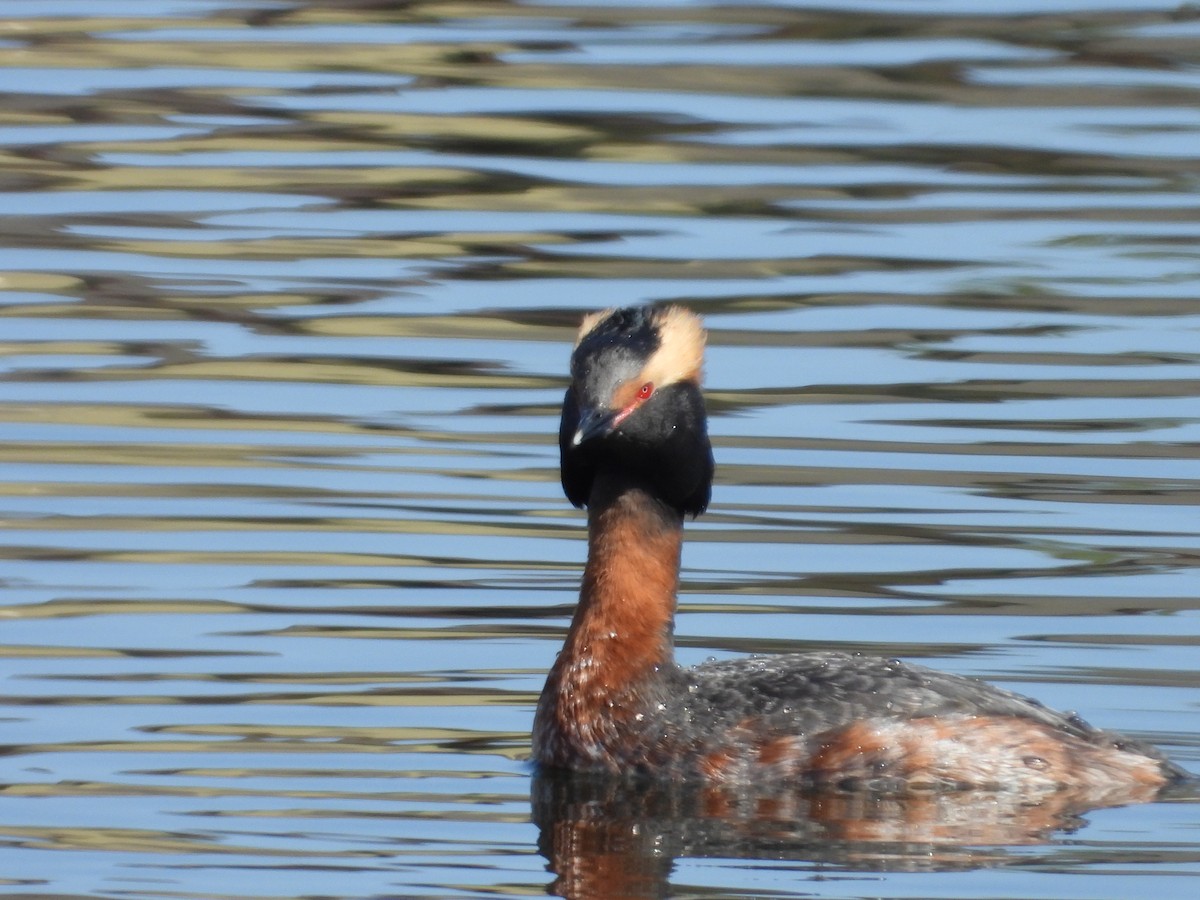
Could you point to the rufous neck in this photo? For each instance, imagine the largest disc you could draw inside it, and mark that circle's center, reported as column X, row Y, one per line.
column 626, row 614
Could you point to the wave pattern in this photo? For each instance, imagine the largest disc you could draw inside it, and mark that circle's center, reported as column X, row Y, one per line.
column 286, row 295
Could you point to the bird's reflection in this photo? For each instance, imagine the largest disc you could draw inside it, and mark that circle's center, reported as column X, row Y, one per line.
column 609, row 837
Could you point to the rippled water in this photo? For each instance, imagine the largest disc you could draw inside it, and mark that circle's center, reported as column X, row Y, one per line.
column 287, row 294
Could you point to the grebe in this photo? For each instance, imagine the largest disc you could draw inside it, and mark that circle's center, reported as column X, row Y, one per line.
column 635, row 451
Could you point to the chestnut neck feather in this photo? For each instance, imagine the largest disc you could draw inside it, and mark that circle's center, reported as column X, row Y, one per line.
column 624, row 622
column 620, row 645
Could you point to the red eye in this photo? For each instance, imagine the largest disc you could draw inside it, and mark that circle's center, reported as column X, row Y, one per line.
column 646, row 390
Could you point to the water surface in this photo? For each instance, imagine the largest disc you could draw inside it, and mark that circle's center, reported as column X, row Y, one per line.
column 287, row 291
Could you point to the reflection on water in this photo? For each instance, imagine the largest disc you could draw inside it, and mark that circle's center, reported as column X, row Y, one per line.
column 286, row 295
column 610, row 838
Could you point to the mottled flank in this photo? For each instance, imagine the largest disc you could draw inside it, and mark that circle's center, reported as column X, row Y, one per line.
column 862, row 723
column 971, row 751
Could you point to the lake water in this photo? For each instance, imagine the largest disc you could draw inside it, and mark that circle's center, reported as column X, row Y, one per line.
column 287, row 292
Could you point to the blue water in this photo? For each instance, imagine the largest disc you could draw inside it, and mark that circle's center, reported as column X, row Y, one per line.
column 287, row 293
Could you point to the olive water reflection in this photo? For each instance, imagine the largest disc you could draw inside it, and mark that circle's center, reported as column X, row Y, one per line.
column 609, row 837
column 287, row 291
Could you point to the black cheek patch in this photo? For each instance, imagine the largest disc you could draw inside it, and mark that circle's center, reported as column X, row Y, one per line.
column 576, row 471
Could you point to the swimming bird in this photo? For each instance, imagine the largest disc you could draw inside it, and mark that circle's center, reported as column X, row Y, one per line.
column 635, row 452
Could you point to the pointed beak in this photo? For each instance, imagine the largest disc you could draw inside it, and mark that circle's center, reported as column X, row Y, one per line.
column 592, row 424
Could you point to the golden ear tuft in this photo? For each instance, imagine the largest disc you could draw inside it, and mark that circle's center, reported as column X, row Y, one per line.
column 680, row 354
column 680, row 338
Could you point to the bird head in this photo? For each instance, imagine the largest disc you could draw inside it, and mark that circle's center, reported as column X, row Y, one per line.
column 634, row 408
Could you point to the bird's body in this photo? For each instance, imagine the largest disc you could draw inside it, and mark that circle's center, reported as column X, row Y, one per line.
column 635, row 452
